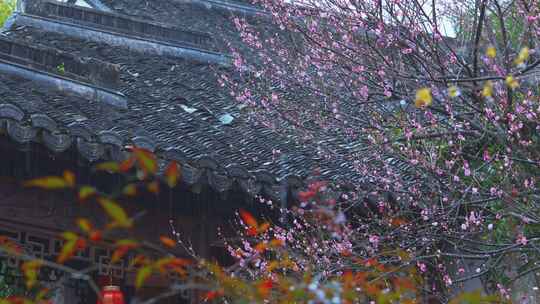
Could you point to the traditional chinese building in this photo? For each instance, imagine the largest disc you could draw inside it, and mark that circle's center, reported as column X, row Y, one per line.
column 81, row 81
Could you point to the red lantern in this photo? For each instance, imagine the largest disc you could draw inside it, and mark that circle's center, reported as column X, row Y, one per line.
column 111, row 295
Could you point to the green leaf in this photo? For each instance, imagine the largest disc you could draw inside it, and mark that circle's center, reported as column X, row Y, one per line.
column 142, row 275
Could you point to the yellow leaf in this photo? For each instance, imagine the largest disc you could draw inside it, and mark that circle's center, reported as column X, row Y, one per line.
column 69, row 177
column 72, row 244
column 522, row 56
column 86, row 191
column 147, row 160
column 108, row 166
column 69, row 236
column 511, row 82
column 487, row 91
column 142, row 275
column 116, row 213
column 48, row 182
column 453, row 91
column 423, row 98
column 171, row 174
column 30, row 270
column 491, row 52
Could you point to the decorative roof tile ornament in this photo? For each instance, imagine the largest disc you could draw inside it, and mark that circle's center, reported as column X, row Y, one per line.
column 21, row 132
column 9, row 111
column 56, row 141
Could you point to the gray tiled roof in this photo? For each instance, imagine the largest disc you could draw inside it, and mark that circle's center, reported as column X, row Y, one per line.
column 175, row 107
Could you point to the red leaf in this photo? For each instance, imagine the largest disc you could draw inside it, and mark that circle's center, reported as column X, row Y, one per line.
column 264, row 288
column 248, row 219
column 211, row 295
column 252, row 231
column 306, row 195
column 95, row 236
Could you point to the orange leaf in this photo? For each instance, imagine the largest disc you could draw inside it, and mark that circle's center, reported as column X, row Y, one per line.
column 153, row 187
column 261, row 247
column 118, row 254
column 139, row 260
column 146, row 160
column 116, row 213
column 127, row 164
column 172, row 173
column 277, row 243
column 123, row 247
column 108, row 166
column 167, row 241
column 48, row 182
column 272, row 265
column 396, row 222
column 263, row 227
column 248, row 219
column 173, row 264
column 85, row 192
column 69, row 178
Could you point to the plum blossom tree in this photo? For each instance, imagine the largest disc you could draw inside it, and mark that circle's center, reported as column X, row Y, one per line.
column 448, row 126
column 441, row 132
